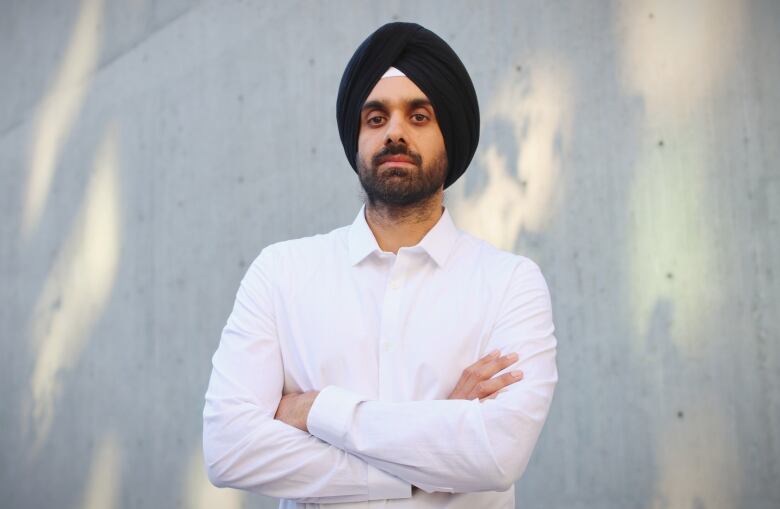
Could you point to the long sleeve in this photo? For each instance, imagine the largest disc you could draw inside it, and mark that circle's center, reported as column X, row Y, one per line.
column 458, row 445
column 244, row 446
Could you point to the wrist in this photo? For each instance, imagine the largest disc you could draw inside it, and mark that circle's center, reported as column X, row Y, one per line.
column 308, row 401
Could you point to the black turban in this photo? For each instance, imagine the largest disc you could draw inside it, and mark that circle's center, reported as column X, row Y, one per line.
column 436, row 70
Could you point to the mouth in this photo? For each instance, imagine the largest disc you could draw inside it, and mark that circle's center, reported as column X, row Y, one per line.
column 397, row 161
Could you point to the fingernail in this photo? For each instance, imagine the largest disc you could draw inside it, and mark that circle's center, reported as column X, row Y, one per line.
column 512, row 357
column 517, row 374
column 495, row 353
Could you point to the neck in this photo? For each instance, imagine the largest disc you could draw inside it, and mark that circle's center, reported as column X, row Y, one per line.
column 397, row 226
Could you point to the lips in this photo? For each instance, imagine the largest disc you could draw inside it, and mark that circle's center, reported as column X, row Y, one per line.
column 396, row 159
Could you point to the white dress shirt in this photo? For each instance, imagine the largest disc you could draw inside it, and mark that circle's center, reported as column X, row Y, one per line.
column 385, row 338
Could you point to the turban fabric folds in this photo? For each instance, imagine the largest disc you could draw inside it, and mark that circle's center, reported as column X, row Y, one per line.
column 436, row 70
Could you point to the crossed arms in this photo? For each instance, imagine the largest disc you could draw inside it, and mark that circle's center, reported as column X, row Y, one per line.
column 357, row 450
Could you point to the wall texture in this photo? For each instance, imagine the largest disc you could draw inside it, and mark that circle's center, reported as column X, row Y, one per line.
column 150, row 149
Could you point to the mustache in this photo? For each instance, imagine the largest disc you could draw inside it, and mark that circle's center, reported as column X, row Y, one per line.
column 394, row 150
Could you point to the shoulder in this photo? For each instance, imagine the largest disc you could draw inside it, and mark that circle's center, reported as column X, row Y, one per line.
column 516, row 281
column 504, row 264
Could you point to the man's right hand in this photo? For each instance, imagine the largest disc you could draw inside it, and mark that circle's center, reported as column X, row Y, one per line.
column 477, row 382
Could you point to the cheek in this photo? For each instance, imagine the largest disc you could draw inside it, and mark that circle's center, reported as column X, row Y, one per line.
column 434, row 146
column 366, row 147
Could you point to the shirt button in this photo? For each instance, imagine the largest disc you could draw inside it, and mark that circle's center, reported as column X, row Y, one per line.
column 387, row 346
column 395, row 284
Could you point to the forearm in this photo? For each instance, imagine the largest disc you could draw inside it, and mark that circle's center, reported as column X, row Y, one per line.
column 412, row 440
column 247, row 450
column 441, row 445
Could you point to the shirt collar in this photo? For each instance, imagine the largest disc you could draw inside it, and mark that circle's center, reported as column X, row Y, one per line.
column 438, row 242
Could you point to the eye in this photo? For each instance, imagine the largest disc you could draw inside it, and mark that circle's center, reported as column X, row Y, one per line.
column 375, row 120
column 419, row 117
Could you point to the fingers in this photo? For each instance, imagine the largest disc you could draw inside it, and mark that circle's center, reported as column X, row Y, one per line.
column 492, row 396
column 488, row 366
column 495, row 364
column 495, row 354
column 492, row 386
column 476, row 380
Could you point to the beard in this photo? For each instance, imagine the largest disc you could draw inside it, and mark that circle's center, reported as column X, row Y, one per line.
column 401, row 186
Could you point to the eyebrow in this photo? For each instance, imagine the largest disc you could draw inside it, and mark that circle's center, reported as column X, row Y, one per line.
column 410, row 103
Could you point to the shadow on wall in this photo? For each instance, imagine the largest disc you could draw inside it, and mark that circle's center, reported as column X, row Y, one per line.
column 79, row 285
column 80, row 281
column 58, row 110
column 677, row 58
column 515, row 187
column 76, row 290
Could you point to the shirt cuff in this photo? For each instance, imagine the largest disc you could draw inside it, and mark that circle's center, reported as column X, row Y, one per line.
column 330, row 416
column 383, row 486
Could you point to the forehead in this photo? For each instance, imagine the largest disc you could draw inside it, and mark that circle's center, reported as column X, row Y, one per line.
column 397, row 88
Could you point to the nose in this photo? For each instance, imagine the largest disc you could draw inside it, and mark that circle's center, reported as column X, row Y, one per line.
column 396, row 130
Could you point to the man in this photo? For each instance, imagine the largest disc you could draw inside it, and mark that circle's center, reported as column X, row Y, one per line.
column 397, row 361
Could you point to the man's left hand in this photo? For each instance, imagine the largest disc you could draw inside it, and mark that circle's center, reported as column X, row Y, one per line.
column 294, row 408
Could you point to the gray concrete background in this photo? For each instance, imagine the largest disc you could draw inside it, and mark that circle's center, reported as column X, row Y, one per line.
column 149, row 150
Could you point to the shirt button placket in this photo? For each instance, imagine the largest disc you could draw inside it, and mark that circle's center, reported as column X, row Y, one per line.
column 390, row 334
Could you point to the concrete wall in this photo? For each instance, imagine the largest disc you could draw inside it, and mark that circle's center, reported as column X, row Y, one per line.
column 149, row 150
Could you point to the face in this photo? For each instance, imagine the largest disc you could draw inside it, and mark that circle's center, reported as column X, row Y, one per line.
column 401, row 156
